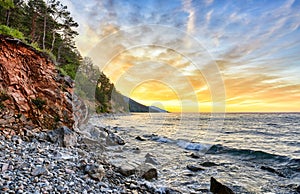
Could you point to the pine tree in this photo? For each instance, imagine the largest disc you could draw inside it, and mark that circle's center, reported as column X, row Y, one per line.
column 7, row 5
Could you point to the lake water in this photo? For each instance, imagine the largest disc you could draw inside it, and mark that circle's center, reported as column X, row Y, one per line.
column 252, row 153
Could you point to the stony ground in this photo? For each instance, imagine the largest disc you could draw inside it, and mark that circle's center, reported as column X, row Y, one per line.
column 39, row 166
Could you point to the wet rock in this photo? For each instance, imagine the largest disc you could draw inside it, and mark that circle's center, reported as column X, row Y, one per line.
column 208, row 164
column 203, row 190
column 194, row 168
column 147, row 171
column 97, row 133
column 113, row 139
column 195, row 155
column 39, row 171
column 140, row 138
column 150, row 136
column 218, row 188
column 63, row 136
column 189, row 174
column 272, row 170
column 95, row 171
column 151, row 159
column 294, row 187
column 136, row 150
column 171, row 191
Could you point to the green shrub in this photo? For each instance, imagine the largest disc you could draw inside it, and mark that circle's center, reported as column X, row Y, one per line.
column 2, row 106
column 11, row 32
column 39, row 103
column 3, row 96
column 50, row 54
column 70, row 70
column 62, row 71
column 36, row 46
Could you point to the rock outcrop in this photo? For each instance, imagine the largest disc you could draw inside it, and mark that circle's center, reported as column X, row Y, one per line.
column 218, row 188
column 33, row 96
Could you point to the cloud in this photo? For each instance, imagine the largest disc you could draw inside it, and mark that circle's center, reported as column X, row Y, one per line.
column 188, row 7
column 254, row 43
column 208, row 16
column 209, row 2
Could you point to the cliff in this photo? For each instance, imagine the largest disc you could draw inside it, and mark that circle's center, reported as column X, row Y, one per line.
column 33, row 96
column 134, row 106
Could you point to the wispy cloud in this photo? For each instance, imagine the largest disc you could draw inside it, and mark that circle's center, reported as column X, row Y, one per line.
column 188, row 7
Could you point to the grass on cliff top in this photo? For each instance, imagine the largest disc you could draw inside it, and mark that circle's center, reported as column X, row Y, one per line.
column 69, row 69
column 11, row 32
column 5, row 30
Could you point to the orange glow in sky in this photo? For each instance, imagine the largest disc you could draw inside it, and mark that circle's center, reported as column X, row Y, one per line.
column 254, row 45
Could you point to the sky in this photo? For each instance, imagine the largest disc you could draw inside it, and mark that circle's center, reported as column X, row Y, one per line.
column 190, row 56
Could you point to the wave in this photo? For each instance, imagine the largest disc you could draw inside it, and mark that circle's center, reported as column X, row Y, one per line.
column 281, row 165
column 246, row 153
column 192, row 145
column 185, row 144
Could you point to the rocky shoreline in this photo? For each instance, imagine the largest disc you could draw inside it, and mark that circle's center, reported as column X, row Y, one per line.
column 61, row 161
column 64, row 161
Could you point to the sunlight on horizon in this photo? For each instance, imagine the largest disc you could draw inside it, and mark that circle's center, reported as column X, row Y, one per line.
column 254, row 44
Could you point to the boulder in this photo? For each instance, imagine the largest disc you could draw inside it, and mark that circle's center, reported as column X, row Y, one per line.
column 208, row 164
column 195, row 155
column 63, row 136
column 140, row 138
column 218, row 188
column 95, row 171
column 127, row 170
column 113, row 139
column 194, row 168
column 151, row 159
column 38, row 171
column 147, row 171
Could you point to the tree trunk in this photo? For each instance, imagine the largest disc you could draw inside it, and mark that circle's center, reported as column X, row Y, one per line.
column 53, row 40
column 33, row 27
column 58, row 53
column 44, row 32
column 7, row 17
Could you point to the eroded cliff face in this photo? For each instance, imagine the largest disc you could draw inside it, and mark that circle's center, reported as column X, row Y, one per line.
column 32, row 94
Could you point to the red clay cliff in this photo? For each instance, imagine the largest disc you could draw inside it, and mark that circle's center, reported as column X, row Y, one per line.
column 33, row 96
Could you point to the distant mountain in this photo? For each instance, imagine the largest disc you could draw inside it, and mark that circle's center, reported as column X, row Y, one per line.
column 156, row 109
column 134, row 106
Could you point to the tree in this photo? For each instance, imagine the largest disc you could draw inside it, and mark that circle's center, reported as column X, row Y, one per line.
column 57, row 12
column 36, row 11
column 7, row 5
